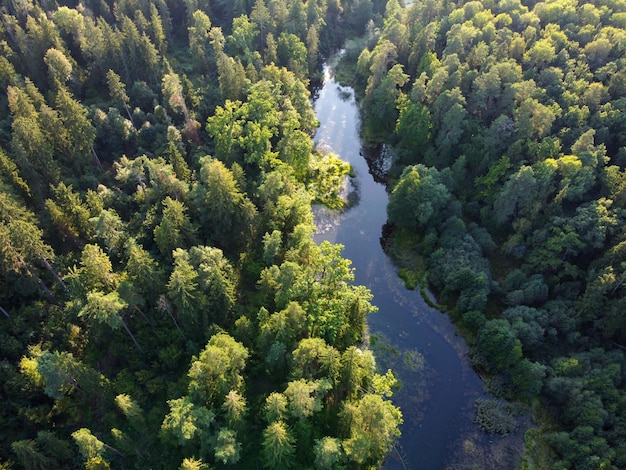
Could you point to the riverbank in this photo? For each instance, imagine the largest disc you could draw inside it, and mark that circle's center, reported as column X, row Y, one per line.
column 439, row 386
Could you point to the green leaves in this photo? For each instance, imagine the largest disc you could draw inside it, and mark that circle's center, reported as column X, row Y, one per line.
column 226, row 213
column 498, row 345
column 227, row 449
column 305, row 397
column 217, row 370
column 175, row 228
column 103, row 308
column 139, row 248
column 414, row 128
column 329, row 454
column 335, row 311
column 278, row 450
column 89, row 445
column 373, row 428
column 326, row 179
column 187, row 421
column 419, row 196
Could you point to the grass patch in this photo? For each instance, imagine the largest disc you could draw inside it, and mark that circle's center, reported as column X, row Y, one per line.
column 403, row 246
column 410, row 277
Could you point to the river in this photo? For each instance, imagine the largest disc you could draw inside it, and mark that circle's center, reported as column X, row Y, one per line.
column 418, row 342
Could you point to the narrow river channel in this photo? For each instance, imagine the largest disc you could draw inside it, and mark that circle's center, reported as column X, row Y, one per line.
column 418, row 342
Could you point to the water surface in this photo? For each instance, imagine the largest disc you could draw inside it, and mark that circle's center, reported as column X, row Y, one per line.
column 418, row 342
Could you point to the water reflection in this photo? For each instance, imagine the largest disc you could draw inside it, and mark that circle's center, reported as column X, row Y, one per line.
column 379, row 159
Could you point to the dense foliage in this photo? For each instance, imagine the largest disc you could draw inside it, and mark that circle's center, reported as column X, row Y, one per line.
column 162, row 302
column 508, row 121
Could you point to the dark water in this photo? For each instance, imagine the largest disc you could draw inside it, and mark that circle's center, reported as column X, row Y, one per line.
column 416, row 341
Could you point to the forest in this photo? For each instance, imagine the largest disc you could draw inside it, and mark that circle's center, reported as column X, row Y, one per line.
column 508, row 123
column 162, row 302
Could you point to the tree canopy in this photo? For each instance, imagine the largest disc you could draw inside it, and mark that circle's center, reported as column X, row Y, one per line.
column 162, row 301
column 507, row 126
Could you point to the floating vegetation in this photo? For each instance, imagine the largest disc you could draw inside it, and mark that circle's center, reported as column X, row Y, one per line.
column 383, row 349
column 497, row 416
column 474, row 452
column 414, row 360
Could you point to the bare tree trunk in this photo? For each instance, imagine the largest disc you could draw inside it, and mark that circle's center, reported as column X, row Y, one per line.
column 164, row 305
column 143, row 314
column 130, row 334
column 6, row 314
column 53, row 272
column 113, row 449
column 96, row 157
column 44, row 287
column 130, row 116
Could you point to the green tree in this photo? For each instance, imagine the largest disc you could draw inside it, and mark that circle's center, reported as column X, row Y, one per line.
column 226, row 214
column 68, row 212
column 414, row 130
column 314, row 359
column 217, row 280
column 449, row 116
column 329, row 454
column 31, row 145
column 498, row 345
column 217, row 370
column 231, row 73
column 227, row 449
column 234, row 408
column 382, row 99
column 182, row 288
column 241, row 42
column 198, row 34
column 275, row 407
column 278, row 451
column 226, row 128
column 295, row 149
column 105, row 309
column 59, row 67
column 292, row 54
column 192, row 464
column 110, row 228
column 373, row 424
column 80, row 131
column 305, row 397
column 143, row 271
column 286, row 326
column 312, row 46
column 261, row 16
column 47, row 451
column 95, row 272
column 187, row 421
column 23, row 249
column 175, row 229
column 418, row 198
column 356, row 371
column 90, row 447
column 117, row 91
column 175, row 152
column 173, row 94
